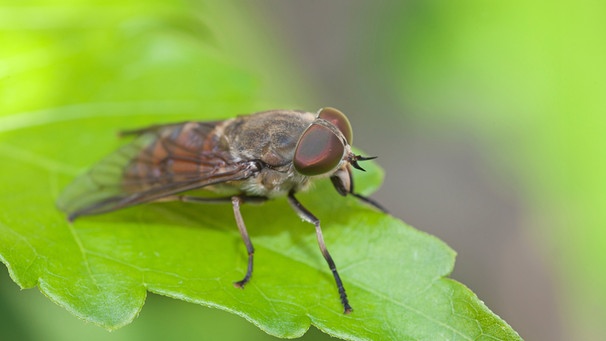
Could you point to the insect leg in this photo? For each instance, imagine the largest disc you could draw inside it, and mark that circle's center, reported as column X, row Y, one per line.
column 369, row 201
column 363, row 198
column 236, row 201
column 306, row 215
column 343, row 182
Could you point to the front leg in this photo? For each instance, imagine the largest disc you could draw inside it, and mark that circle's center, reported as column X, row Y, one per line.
column 306, row 215
column 343, row 182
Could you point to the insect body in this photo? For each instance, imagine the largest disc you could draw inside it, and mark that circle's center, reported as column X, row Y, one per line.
column 245, row 159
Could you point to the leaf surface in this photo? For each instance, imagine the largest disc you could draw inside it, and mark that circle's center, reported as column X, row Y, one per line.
column 130, row 69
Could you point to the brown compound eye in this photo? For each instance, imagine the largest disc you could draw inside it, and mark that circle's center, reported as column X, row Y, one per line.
column 318, row 151
column 339, row 120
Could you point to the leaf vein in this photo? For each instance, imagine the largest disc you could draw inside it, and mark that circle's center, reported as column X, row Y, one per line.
column 378, row 294
column 83, row 253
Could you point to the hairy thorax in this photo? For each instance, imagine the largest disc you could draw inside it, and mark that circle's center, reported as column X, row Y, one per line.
column 270, row 139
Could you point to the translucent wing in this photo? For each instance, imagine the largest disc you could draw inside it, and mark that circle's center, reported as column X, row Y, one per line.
column 160, row 161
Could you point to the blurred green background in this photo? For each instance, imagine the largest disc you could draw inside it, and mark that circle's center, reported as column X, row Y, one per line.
column 488, row 117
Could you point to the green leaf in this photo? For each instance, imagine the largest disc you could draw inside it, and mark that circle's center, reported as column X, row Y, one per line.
column 133, row 68
column 101, row 267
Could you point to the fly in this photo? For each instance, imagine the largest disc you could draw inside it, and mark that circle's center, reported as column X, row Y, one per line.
column 244, row 159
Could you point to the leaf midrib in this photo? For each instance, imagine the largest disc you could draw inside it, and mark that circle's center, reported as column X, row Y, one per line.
column 81, row 111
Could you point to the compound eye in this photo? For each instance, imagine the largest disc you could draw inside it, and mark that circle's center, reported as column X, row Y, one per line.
column 318, row 151
column 339, row 120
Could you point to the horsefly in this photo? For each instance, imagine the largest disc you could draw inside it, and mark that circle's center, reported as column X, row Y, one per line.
column 244, row 159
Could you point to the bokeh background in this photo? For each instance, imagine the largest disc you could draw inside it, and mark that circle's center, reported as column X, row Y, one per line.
column 488, row 118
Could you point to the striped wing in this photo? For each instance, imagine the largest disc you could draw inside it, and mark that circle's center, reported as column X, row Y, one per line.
column 159, row 162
